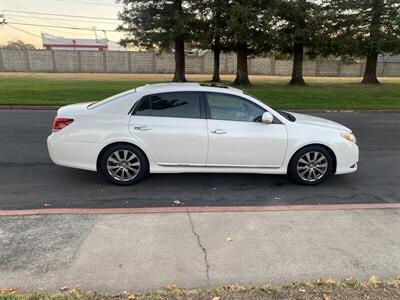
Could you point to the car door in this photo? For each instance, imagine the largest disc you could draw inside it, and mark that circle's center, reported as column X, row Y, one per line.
column 238, row 138
column 172, row 126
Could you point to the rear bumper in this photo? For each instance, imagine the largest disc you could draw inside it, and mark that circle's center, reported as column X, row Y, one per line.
column 72, row 154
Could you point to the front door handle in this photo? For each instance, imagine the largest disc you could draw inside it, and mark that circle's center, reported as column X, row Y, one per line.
column 142, row 128
column 218, row 131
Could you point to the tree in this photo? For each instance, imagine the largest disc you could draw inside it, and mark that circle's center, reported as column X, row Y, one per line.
column 162, row 24
column 17, row 45
column 365, row 28
column 248, row 32
column 211, row 29
column 299, row 26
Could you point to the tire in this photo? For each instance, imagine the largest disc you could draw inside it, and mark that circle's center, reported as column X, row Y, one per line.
column 311, row 165
column 123, row 164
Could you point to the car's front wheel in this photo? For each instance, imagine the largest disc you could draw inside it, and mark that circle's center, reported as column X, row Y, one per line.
column 123, row 164
column 311, row 165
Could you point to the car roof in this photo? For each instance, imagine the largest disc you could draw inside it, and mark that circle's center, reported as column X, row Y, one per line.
column 187, row 86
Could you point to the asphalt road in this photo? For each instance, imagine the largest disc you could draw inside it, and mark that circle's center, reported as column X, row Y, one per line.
column 29, row 180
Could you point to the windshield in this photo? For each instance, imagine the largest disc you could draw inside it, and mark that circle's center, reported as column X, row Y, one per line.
column 286, row 115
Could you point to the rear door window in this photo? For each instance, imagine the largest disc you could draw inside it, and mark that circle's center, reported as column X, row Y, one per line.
column 174, row 105
column 144, row 107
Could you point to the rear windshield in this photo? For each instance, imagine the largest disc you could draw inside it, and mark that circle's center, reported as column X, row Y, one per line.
column 110, row 99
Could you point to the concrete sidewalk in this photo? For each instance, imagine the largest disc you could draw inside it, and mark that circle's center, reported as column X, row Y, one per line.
column 113, row 253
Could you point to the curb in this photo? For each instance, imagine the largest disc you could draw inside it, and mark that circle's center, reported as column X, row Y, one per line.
column 196, row 209
column 56, row 107
column 29, row 107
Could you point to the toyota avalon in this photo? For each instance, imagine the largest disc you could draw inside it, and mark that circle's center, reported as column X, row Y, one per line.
column 192, row 127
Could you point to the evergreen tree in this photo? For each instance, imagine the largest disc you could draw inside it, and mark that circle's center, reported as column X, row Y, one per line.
column 211, row 29
column 162, row 24
column 248, row 32
column 365, row 28
column 17, row 45
column 298, row 27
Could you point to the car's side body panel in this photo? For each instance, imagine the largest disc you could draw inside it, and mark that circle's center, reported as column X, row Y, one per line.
column 246, row 144
column 299, row 136
column 172, row 141
column 195, row 169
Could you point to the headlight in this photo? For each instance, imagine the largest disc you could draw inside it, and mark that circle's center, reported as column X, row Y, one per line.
column 349, row 136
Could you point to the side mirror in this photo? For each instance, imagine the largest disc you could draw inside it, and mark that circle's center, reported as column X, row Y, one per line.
column 267, row 118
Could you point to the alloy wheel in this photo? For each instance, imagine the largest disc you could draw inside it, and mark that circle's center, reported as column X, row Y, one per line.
column 312, row 166
column 123, row 165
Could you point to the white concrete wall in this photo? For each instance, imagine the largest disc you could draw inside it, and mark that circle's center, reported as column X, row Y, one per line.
column 150, row 62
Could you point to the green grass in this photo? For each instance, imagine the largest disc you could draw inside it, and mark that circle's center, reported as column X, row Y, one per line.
column 341, row 97
column 326, row 93
column 39, row 91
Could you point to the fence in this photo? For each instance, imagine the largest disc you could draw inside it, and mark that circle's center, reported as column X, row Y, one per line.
column 150, row 62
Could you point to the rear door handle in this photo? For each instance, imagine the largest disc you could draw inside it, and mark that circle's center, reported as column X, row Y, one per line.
column 142, row 128
column 218, row 131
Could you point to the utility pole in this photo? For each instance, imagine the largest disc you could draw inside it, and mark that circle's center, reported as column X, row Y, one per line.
column 95, row 32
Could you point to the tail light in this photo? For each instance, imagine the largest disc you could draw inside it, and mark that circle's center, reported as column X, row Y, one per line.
column 60, row 123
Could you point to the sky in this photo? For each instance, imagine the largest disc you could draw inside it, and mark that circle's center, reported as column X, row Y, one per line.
column 23, row 11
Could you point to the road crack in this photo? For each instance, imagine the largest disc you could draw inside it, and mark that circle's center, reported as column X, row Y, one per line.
column 201, row 247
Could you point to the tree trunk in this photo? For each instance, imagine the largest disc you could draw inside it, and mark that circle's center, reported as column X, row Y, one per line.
column 217, row 52
column 242, row 74
column 179, row 75
column 370, row 68
column 372, row 55
column 297, row 73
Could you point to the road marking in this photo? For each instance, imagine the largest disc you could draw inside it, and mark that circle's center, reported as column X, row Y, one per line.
column 183, row 209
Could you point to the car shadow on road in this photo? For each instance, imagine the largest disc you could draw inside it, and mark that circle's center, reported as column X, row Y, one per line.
column 57, row 187
column 203, row 189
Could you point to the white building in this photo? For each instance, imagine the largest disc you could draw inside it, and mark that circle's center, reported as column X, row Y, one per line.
column 51, row 42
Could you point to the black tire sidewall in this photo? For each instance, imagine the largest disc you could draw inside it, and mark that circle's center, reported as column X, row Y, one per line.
column 292, row 170
column 144, row 166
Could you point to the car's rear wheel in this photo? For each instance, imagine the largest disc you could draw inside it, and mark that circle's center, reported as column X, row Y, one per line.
column 123, row 164
column 311, row 165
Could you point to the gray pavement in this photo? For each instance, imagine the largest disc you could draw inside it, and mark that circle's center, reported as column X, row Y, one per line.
column 28, row 179
column 114, row 253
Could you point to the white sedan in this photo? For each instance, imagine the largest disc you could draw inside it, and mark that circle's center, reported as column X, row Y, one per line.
column 192, row 127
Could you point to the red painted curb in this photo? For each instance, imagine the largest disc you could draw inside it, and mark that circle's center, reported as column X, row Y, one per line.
column 182, row 209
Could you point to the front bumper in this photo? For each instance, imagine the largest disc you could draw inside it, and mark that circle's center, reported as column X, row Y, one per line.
column 347, row 155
